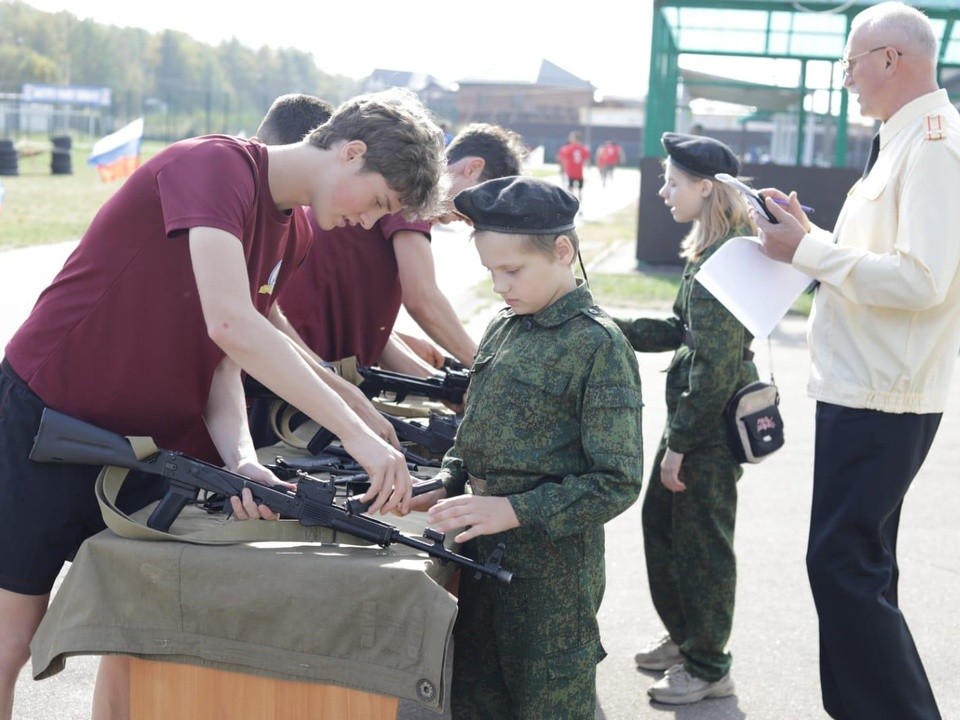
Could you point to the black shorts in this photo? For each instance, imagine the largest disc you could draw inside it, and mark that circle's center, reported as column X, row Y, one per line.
column 573, row 183
column 46, row 509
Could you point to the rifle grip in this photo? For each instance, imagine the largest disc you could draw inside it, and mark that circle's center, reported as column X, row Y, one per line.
column 169, row 508
column 320, row 440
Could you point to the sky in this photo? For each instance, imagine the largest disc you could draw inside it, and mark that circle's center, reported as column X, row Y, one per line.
column 489, row 39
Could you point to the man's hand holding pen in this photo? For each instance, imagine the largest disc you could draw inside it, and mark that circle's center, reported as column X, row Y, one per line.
column 780, row 240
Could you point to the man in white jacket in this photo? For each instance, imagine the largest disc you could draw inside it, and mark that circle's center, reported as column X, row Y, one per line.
column 883, row 336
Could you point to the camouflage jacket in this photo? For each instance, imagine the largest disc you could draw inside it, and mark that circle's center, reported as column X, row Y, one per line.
column 553, row 421
column 700, row 380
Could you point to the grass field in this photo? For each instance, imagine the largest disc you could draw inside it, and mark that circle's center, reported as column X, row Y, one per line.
column 40, row 207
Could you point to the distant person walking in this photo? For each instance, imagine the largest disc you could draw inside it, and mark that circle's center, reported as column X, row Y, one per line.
column 883, row 336
column 609, row 155
column 572, row 158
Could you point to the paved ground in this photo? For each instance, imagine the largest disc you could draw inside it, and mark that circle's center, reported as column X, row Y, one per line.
column 774, row 637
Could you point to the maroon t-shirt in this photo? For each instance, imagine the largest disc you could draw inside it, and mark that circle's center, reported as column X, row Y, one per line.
column 194, row 439
column 345, row 297
column 118, row 339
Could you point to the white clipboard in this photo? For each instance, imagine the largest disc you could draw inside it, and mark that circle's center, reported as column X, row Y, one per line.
column 756, row 289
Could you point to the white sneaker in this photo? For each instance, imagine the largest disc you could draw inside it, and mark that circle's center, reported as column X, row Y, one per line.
column 679, row 687
column 659, row 655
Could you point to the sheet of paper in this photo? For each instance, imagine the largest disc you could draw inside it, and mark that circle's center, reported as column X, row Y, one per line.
column 756, row 289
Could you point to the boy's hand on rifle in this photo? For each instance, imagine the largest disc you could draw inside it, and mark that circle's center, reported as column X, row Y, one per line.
column 480, row 515
column 422, row 503
column 244, row 507
column 390, row 481
column 255, row 471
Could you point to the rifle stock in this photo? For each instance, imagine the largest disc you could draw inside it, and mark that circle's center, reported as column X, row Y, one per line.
column 63, row 439
column 437, row 435
column 451, row 387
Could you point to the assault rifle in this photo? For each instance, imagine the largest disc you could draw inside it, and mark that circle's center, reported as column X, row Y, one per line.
column 334, row 460
column 355, row 482
column 289, row 468
column 437, row 435
column 63, row 439
column 450, row 387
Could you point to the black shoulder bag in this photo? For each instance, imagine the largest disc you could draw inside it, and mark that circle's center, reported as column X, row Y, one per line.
column 752, row 416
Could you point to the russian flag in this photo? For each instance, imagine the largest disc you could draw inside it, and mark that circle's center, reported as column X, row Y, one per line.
column 118, row 154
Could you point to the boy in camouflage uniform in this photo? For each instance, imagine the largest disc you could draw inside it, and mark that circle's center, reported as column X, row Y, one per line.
column 548, row 451
column 690, row 507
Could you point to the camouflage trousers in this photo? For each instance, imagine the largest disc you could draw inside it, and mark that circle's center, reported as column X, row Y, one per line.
column 527, row 651
column 688, row 543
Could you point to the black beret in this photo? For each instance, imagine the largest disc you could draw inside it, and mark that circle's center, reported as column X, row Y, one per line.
column 700, row 155
column 521, row 205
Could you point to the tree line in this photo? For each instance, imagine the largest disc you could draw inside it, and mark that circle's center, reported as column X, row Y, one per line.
column 188, row 87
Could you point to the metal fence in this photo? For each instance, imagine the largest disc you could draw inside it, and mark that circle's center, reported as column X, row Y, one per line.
column 19, row 119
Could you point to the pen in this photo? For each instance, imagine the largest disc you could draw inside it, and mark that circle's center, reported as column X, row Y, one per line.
column 805, row 208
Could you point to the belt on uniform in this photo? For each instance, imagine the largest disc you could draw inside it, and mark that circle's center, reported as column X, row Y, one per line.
column 478, row 485
column 691, row 343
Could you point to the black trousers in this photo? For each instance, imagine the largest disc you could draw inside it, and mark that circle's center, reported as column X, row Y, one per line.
column 865, row 461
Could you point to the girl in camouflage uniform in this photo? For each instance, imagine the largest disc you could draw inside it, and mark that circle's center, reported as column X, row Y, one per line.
column 690, row 506
column 549, row 450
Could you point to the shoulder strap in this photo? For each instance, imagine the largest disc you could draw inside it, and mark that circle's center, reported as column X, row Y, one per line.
column 195, row 525
column 770, row 356
column 281, row 414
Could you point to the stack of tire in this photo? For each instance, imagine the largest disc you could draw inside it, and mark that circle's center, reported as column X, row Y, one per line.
column 60, row 158
column 8, row 158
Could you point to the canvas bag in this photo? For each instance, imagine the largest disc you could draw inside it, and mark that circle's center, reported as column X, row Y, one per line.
column 754, row 424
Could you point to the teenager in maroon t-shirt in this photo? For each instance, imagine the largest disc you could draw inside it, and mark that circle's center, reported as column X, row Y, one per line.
column 148, row 326
column 344, row 299
column 94, row 347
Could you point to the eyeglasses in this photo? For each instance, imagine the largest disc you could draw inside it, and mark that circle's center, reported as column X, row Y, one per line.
column 847, row 63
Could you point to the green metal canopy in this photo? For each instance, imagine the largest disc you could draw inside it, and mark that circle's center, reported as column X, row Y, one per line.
column 771, row 57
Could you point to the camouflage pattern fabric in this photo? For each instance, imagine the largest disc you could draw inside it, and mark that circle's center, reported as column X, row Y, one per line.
column 691, row 567
column 553, row 422
column 527, row 651
column 688, row 536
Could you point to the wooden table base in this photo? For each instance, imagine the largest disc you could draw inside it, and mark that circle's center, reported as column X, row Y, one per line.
column 163, row 690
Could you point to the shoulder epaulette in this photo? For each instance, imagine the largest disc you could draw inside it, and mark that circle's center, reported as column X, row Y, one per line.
column 934, row 127
column 596, row 314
